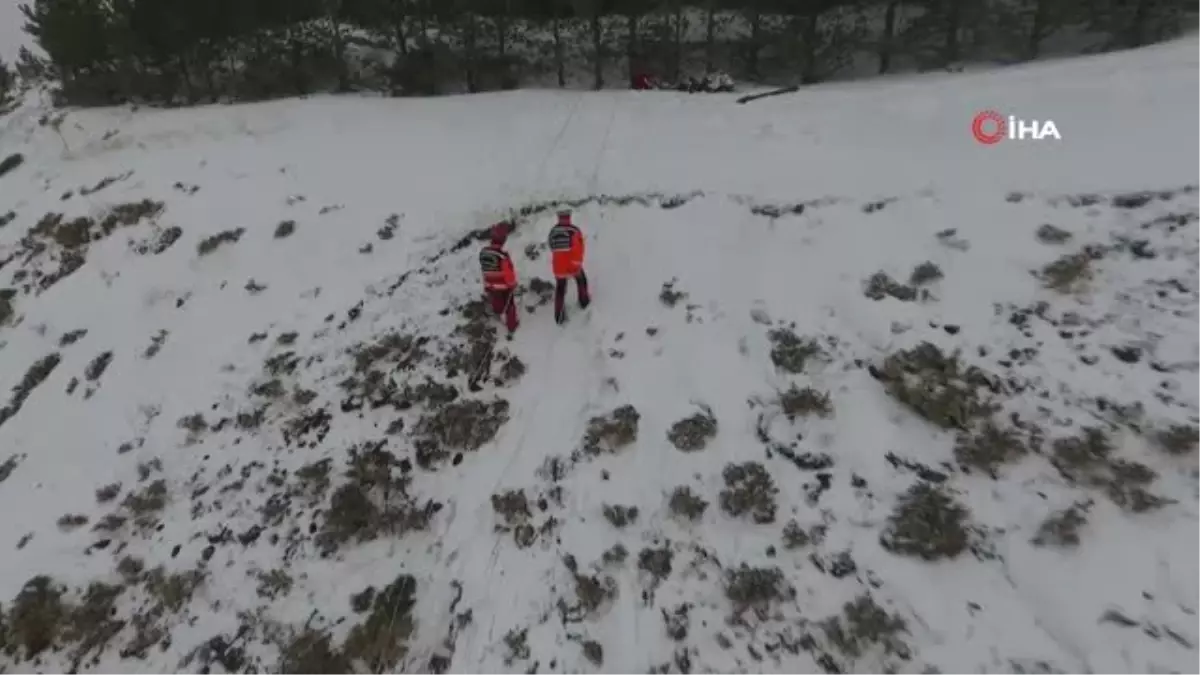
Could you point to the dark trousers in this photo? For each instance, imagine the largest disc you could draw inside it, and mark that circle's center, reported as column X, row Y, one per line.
column 504, row 302
column 560, row 293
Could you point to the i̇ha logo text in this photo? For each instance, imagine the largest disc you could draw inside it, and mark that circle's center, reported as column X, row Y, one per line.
column 990, row 127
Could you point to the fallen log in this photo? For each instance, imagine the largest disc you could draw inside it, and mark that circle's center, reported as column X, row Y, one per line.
column 765, row 94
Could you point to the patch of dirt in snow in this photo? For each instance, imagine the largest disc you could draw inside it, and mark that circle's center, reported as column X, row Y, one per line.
column 56, row 247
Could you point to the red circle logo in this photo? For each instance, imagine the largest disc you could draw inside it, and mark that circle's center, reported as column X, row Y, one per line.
column 989, row 127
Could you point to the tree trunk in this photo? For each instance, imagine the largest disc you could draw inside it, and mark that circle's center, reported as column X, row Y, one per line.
column 559, row 64
column 808, row 47
column 632, row 47
column 597, row 48
column 1137, row 23
column 210, row 70
column 423, row 21
column 502, row 31
column 1037, row 22
column 508, row 79
column 469, row 56
column 400, row 38
column 953, row 49
column 297, row 63
column 678, row 56
column 339, row 54
column 755, row 41
column 398, row 16
column 185, row 74
column 887, row 41
column 710, row 34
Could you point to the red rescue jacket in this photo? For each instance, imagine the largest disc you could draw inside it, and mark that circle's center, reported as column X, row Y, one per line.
column 566, row 250
column 497, row 267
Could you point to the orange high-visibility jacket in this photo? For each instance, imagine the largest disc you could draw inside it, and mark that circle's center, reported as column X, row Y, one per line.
column 566, row 250
column 498, row 271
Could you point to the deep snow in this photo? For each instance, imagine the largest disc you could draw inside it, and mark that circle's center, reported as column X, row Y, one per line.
column 882, row 167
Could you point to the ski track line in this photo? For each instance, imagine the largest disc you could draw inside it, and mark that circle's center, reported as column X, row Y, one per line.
column 480, row 514
column 460, row 561
column 581, row 328
column 459, row 558
column 603, row 399
column 554, row 143
column 594, row 182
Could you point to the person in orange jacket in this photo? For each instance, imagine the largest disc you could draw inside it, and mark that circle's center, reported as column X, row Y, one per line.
column 499, row 276
column 566, row 251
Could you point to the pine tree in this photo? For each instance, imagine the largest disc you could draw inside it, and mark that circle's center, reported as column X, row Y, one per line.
column 73, row 33
column 8, row 80
column 104, row 51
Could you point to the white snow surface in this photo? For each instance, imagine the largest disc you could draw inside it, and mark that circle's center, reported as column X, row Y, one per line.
column 883, row 168
column 12, row 35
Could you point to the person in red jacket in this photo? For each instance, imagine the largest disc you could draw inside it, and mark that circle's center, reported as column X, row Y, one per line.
column 499, row 276
column 566, row 251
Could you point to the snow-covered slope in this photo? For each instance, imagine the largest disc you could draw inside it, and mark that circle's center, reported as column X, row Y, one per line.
column 313, row 403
